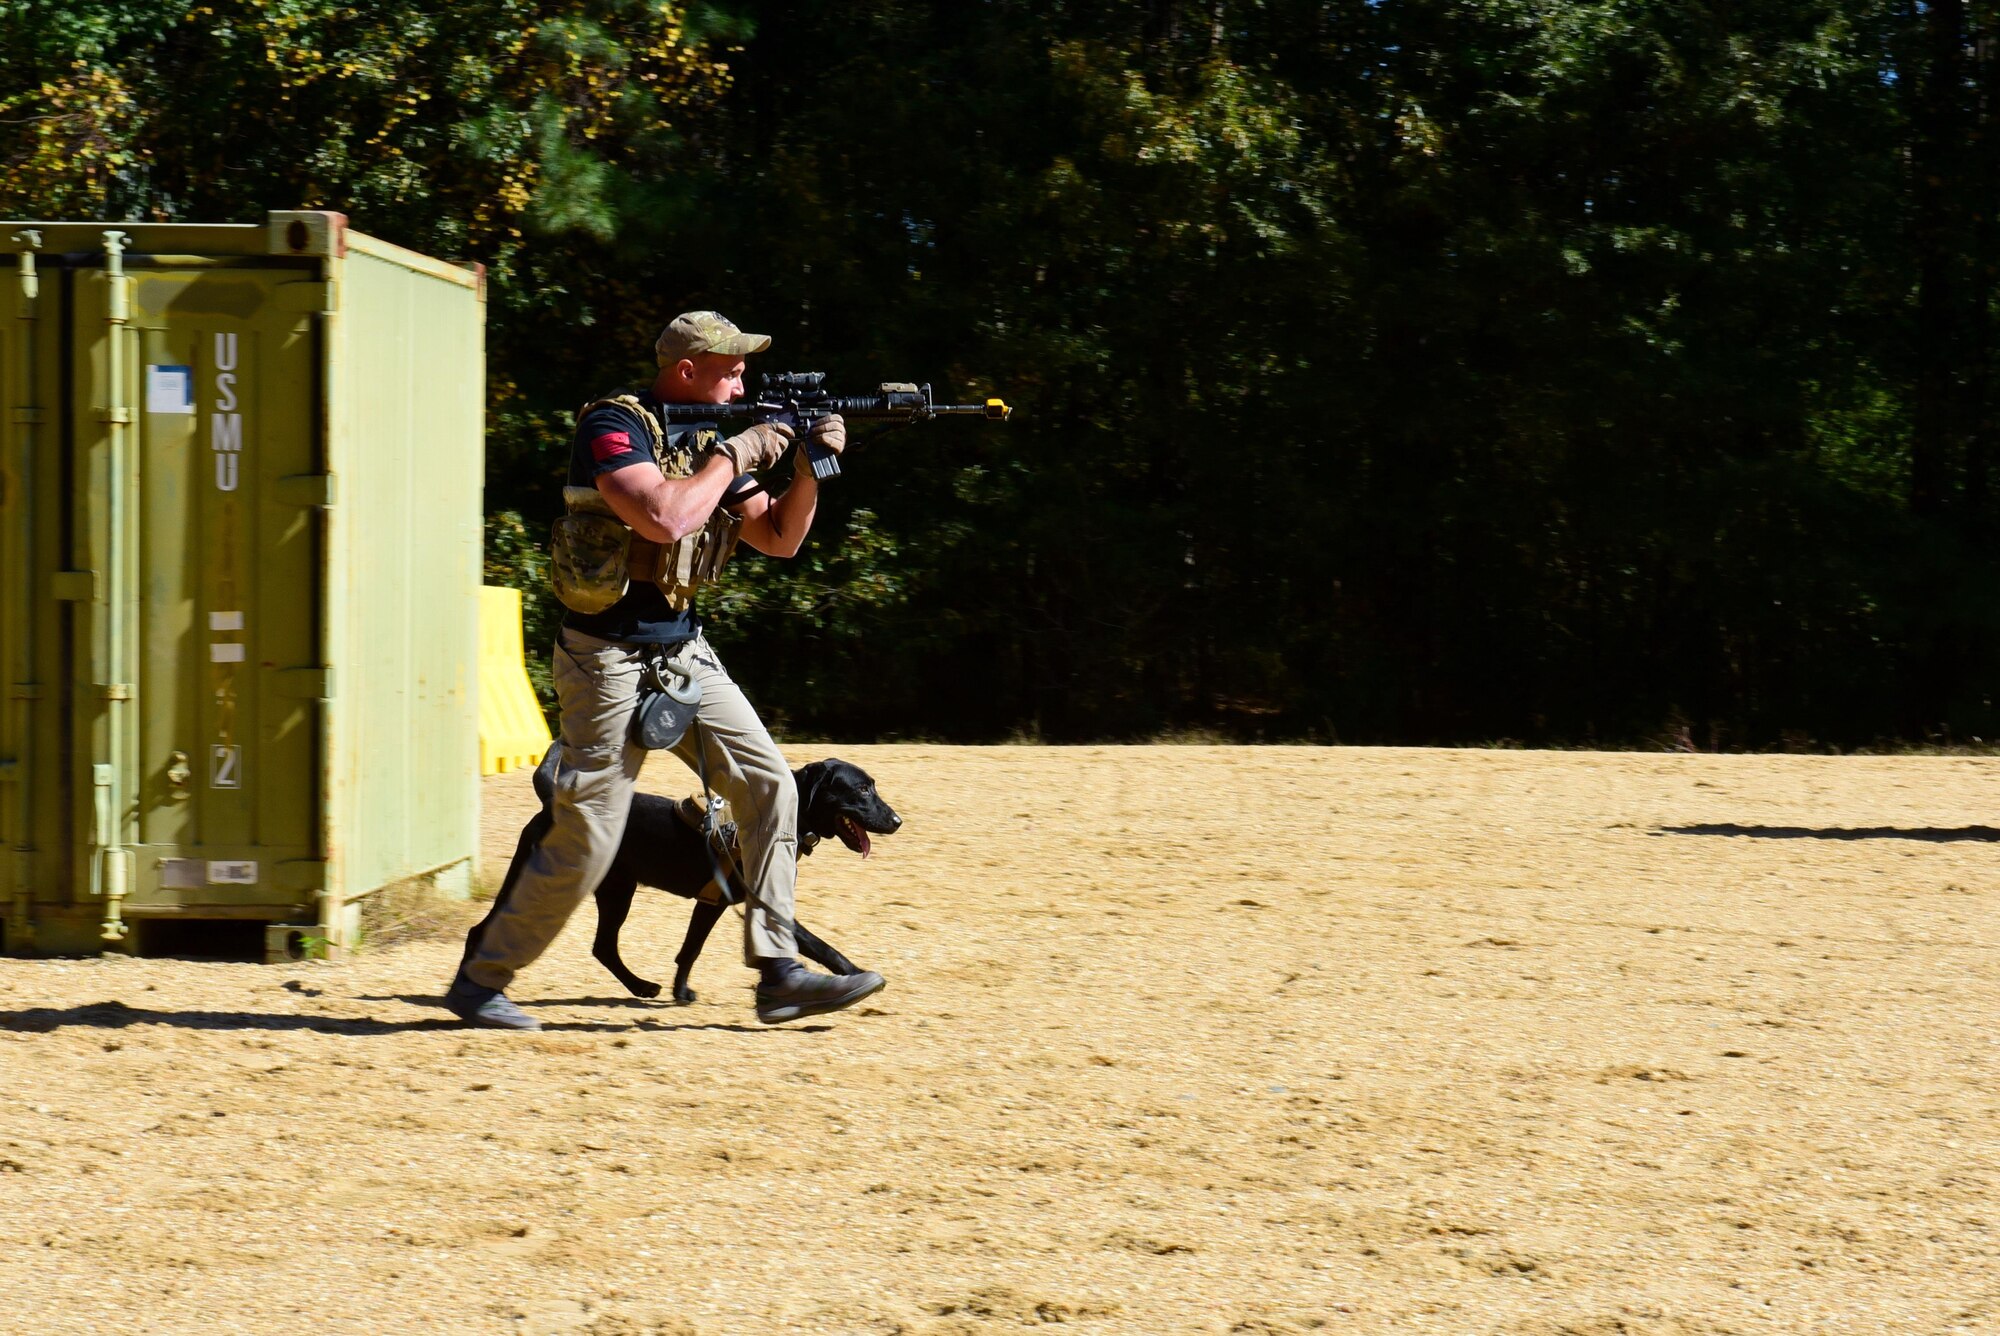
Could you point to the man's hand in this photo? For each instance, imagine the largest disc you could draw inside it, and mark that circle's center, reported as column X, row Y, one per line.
column 757, row 448
column 830, row 432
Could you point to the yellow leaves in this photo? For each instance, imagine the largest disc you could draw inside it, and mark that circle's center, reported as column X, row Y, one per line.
column 69, row 143
column 1419, row 133
column 451, row 105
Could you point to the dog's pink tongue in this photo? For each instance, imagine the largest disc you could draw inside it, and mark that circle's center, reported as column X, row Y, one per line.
column 867, row 846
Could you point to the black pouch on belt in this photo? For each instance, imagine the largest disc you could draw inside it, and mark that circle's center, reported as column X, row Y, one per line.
column 667, row 701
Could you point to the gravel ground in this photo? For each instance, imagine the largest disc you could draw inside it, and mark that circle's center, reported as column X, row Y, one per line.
column 1176, row 1039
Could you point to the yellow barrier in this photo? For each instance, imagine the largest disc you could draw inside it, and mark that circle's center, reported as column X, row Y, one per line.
column 511, row 729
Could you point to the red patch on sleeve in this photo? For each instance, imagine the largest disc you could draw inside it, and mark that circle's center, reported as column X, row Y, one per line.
column 609, row 444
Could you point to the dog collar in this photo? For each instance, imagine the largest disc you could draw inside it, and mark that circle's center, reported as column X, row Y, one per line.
column 807, row 843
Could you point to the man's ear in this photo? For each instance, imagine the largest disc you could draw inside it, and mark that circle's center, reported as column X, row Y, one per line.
column 684, row 370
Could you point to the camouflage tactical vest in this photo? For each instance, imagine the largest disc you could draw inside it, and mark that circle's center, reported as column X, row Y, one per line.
column 593, row 554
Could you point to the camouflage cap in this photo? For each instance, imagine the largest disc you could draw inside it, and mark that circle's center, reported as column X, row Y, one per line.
column 705, row 332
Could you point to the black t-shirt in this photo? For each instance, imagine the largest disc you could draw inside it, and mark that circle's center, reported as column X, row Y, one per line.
column 612, row 437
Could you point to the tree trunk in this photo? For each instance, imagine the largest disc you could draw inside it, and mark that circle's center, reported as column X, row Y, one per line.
column 1938, row 122
column 1984, row 146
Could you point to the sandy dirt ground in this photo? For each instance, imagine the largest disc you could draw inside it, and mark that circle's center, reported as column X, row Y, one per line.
column 1176, row 1039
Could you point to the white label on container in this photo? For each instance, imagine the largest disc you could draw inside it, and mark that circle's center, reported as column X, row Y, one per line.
column 222, row 652
column 225, row 767
column 225, row 621
column 170, row 389
column 232, row 872
column 182, row 874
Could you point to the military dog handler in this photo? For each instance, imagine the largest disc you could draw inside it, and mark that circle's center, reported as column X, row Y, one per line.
column 654, row 510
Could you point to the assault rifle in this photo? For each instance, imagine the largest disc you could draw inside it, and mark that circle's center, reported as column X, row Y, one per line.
column 798, row 399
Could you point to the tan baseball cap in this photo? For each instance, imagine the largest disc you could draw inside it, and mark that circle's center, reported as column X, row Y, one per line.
column 705, row 332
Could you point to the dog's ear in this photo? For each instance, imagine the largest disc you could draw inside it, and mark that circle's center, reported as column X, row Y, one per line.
column 810, row 780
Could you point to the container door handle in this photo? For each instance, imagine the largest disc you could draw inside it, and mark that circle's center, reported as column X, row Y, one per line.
column 100, row 788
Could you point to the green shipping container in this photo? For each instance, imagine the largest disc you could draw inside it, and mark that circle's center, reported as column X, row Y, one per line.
column 240, row 474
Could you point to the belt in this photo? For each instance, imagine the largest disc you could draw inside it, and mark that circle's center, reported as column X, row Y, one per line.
column 585, row 640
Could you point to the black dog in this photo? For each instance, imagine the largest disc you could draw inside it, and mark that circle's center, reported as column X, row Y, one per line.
column 660, row 849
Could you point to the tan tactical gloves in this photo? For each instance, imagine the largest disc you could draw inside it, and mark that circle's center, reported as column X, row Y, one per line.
column 763, row 445
column 829, row 433
column 757, row 448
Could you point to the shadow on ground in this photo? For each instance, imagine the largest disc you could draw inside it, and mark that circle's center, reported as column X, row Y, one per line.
column 118, row 1016
column 1931, row 834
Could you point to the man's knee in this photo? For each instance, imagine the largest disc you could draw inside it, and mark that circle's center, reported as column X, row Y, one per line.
column 590, row 807
column 598, row 774
column 766, row 783
column 774, row 803
column 784, row 793
column 590, row 779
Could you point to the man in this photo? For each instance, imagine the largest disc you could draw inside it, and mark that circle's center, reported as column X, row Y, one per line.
column 681, row 530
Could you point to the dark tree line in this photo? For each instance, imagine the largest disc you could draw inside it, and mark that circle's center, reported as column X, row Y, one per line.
column 1401, row 371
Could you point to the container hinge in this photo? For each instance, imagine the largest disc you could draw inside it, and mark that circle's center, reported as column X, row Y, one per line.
column 305, row 298
column 76, row 586
column 301, row 875
column 29, row 416
column 306, row 683
column 305, row 489
column 115, row 690
column 25, row 691
column 115, row 416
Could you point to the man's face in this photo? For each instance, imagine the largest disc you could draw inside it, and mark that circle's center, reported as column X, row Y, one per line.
column 707, row 378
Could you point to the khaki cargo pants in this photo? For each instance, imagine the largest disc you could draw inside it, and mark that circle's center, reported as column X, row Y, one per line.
column 597, row 685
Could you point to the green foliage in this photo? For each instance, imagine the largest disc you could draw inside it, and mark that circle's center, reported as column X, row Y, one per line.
column 1421, row 370
column 455, row 132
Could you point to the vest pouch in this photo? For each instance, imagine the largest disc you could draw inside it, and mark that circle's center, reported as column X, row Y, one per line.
column 685, row 561
column 587, row 561
column 718, row 543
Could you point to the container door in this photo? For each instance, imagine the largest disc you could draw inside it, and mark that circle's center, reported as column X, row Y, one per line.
column 34, row 820
column 195, row 669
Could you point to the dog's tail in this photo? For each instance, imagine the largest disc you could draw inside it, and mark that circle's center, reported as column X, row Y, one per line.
column 545, row 776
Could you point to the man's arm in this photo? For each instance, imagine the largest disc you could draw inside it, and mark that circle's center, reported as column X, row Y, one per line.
column 777, row 528
column 666, row 510
column 663, row 509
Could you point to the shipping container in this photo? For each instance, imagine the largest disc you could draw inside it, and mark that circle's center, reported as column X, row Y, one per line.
column 240, row 471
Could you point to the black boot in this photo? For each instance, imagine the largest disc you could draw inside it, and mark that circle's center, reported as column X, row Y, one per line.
column 794, row 993
column 487, row 1008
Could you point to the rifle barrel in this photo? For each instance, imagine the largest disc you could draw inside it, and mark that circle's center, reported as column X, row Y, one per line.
column 864, row 406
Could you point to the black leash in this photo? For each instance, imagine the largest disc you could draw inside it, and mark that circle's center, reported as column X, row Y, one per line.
column 711, row 819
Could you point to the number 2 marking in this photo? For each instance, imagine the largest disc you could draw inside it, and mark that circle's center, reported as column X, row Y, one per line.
column 224, row 763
